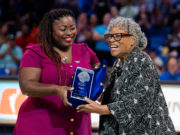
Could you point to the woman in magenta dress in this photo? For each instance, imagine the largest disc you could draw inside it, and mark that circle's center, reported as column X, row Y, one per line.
column 45, row 76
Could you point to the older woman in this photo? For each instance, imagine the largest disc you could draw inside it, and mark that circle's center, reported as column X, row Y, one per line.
column 133, row 102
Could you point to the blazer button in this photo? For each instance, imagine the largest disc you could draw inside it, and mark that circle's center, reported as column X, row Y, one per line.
column 72, row 120
column 70, row 66
column 71, row 133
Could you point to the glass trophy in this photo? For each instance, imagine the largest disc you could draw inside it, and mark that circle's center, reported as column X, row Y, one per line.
column 87, row 83
column 82, row 83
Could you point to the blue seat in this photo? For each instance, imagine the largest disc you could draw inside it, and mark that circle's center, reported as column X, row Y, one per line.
column 2, row 72
column 157, row 43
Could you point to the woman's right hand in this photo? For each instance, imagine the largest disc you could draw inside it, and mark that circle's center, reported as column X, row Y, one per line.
column 62, row 92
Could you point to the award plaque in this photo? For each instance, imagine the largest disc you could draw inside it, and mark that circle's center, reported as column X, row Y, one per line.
column 82, row 83
column 87, row 83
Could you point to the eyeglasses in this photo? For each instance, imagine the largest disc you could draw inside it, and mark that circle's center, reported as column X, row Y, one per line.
column 116, row 36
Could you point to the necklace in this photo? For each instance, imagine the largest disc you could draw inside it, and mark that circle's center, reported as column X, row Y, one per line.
column 65, row 59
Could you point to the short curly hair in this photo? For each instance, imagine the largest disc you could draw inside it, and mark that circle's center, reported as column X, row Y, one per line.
column 131, row 27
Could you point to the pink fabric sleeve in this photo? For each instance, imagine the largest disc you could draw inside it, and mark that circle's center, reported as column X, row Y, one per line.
column 30, row 59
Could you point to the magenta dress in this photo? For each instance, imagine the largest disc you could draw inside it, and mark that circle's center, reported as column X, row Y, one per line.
column 47, row 115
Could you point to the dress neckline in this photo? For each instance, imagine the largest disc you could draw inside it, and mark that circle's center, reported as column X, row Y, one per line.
column 70, row 63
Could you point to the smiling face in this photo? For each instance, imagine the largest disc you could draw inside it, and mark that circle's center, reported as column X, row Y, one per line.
column 64, row 32
column 121, row 48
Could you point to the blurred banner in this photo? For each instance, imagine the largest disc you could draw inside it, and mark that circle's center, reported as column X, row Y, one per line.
column 11, row 98
column 172, row 96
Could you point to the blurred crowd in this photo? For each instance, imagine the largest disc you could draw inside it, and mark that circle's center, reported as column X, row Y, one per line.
column 159, row 19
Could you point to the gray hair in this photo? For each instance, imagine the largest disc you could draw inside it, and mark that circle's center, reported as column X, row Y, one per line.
column 132, row 28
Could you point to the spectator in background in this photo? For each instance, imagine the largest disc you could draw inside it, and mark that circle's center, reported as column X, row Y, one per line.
column 101, row 7
column 158, row 22
column 8, row 12
column 83, row 30
column 26, row 37
column 69, row 4
column 118, row 3
column 129, row 10
column 35, row 32
column 101, row 47
column 149, row 4
column 173, row 40
column 143, row 19
column 10, row 56
column 164, row 55
column 114, row 12
column 85, row 6
column 93, row 21
column 3, row 33
column 175, row 10
column 158, row 62
column 173, row 72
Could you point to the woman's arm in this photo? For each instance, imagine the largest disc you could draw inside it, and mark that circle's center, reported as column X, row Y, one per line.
column 30, row 85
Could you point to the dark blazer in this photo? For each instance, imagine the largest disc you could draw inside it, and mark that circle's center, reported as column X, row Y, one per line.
column 135, row 99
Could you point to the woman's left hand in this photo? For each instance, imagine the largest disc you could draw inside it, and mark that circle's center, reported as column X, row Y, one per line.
column 93, row 107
